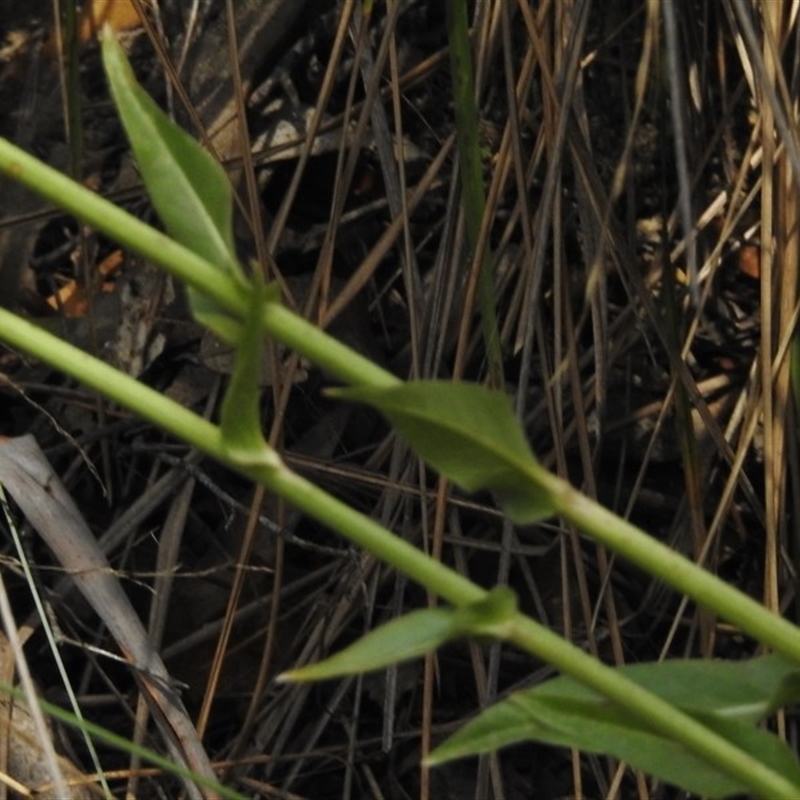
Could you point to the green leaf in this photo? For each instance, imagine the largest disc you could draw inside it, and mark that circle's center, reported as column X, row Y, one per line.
column 763, row 745
column 603, row 729
column 406, row 637
column 188, row 188
column 470, row 435
column 728, row 697
column 492, row 617
column 748, row 690
column 240, row 420
column 416, row 634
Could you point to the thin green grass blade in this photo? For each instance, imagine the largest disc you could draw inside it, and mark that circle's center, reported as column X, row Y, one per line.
column 471, row 171
column 98, row 733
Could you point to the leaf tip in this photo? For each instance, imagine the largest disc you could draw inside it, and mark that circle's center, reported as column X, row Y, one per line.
column 299, row 675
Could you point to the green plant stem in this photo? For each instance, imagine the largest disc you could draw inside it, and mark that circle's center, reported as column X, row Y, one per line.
column 339, row 360
column 323, row 350
column 308, row 340
column 675, row 570
column 652, row 711
column 207, row 437
column 396, row 552
column 124, row 228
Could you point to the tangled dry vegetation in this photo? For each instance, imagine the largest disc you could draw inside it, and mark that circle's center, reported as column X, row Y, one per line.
column 640, row 163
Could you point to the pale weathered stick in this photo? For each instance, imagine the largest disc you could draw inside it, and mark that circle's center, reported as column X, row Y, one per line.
column 37, row 490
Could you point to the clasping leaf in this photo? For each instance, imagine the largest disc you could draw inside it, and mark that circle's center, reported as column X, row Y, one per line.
column 240, row 418
column 416, row 634
column 188, row 188
column 728, row 697
column 470, row 435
